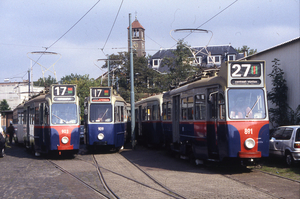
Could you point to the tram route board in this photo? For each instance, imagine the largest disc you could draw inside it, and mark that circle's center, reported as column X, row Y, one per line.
column 100, row 94
column 63, row 92
column 246, row 73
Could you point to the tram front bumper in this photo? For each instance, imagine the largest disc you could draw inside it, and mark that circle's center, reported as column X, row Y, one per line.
column 100, row 143
column 256, row 154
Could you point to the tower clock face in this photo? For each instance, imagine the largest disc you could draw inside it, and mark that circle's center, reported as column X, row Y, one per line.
column 135, row 45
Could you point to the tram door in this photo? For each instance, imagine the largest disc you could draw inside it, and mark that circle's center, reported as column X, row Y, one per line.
column 139, row 121
column 175, row 118
column 212, row 123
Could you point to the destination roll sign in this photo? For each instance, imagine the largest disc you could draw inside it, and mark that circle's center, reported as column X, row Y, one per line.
column 63, row 92
column 246, row 73
column 100, row 94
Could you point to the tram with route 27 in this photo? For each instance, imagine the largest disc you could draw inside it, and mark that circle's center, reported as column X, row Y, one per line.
column 51, row 121
column 105, row 119
column 220, row 115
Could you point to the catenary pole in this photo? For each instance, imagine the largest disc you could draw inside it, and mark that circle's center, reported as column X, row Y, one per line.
column 108, row 75
column 131, row 86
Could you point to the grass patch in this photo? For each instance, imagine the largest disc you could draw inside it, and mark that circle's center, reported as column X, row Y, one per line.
column 277, row 166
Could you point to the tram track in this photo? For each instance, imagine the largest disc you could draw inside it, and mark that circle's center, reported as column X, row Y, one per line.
column 78, row 179
column 164, row 190
column 114, row 179
column 117, row 175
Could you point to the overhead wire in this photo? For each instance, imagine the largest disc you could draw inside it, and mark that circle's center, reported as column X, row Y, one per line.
column 112, row 26
column 47, row 48
column 210, row 19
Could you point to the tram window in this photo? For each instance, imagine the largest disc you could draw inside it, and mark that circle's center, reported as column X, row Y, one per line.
column 24, row 118
column 122, row 113
column 190, row 109
column 20, row 118
column 37, row 115
column 149, row 113
column 164, row 107
column 221, row 102
column 145, row 114
column 213, row 106
column 200, row 107
column 246, row 103
column 64, row 114
column 155, row 114
column 117, row 114
column 169, row 110
column 100, row 112
column 41, row 113
column 46, row 120
column 184, row 109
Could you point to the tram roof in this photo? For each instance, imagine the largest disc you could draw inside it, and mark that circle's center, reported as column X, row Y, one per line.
column 218, row 79
column 149, row 99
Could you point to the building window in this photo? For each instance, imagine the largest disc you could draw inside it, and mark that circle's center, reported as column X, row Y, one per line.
column 196, row 61
column 230, row 57
column 155, row 63
column 136, row 33
column 214, row 59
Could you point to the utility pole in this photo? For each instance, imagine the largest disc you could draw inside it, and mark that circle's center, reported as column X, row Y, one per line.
column 28, row 84
column 131, row 86
column 108, row 66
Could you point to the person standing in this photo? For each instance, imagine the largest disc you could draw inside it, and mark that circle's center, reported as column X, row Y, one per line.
column 11, row 132
column 2, row 142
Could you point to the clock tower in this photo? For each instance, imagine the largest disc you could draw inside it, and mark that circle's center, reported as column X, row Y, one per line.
column 138, row 38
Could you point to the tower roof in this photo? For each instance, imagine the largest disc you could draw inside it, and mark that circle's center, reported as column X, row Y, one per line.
column 136, row 24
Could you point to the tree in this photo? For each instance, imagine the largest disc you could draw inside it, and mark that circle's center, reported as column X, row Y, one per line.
column 282, row 114
column 4, row 106
column 146, row 80
column 247, row 49
column 179, row 65
column 83, row 87
column 47, row 83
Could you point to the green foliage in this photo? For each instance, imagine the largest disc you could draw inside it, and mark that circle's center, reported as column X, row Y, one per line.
column 47, row 83
column 180, row 67
column 282, row 114
column 83, row 87
column 4, row 106
column 247, row 49
column 146, row 80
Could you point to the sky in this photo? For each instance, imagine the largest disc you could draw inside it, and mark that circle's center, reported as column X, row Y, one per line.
column 28, row 26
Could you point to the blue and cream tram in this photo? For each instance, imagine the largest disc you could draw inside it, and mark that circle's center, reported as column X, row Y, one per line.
column 105, row 118
column 221, row 115
column 148, row 121
column 19, row 125
column 52, row 121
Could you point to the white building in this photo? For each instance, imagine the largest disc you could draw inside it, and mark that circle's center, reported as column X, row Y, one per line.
column 16, row 92
column 289, row 55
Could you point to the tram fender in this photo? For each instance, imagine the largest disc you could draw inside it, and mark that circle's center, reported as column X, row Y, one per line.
column 234, row 144
column 263, row 140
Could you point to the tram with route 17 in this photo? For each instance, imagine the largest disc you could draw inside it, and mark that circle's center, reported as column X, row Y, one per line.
column 52, row 121
column 220, row 115
column 105, row 119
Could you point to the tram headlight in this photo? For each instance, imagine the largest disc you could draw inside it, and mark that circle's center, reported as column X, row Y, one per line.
column 100, row 136
column 249, row 143
column 65, row 140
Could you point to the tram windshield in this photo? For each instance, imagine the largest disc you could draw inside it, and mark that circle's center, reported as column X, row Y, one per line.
column 64, row 114
column 100, row 113
column 246, row 104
